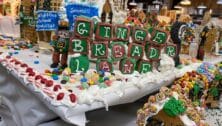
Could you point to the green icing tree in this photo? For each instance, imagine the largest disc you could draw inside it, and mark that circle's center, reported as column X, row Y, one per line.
column 174, row 107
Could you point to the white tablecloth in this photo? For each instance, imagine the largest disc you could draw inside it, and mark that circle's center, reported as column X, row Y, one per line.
column 20, row 107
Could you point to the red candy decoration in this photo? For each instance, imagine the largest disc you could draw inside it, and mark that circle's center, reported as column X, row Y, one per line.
column 60, row 96
column 43, row 81
column 8, row 57
column 12, row 60
column 72, row 98
column 29, row 70
column 24, row 65
column 49, row 83
column 38, row 77
column 57, row 87
column 32, row 74
column 17, row 62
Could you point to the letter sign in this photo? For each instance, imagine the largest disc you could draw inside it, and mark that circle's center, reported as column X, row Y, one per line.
column 99, row 49
column 118, row 51
column 104, row 31
column 139, row 35
column 79, row 64
column 127, row 66
column 159, row 37
column 122, row 33
column 104, row 65
column 171, row 50
column 79, row 46
column 83, row 28
column 144, row 66
column 135, row 51
column 153, row 53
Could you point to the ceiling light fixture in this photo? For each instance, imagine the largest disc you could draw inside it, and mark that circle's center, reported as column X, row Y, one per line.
column 157, row 2
column 185, row 2
column 133, row 3
column 219, row 2
column 177, row 7
column 201, row 6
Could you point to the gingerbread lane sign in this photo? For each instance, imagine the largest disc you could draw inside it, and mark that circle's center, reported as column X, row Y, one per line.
column 136, row 55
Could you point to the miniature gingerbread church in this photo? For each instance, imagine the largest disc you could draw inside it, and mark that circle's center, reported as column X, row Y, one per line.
column 114, row 11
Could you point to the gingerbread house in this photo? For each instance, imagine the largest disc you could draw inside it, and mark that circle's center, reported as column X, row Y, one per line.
column 169, row 108
column 11, row 7
column 114, row 11
column 28, row 21
column 214, row 92
column 52, row 5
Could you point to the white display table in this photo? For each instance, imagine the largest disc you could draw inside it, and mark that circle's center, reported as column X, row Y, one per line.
column 19, row 94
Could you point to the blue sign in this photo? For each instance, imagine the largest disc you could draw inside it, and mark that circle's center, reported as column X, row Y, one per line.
column 47, row 21
column 75, row 10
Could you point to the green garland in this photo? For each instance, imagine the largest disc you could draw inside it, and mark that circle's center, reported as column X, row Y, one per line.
column 174, row 107
column 214, row 91
column 196, row 89
column 218, row 77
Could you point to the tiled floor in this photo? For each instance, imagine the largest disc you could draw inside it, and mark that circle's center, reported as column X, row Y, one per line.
column 214, row 116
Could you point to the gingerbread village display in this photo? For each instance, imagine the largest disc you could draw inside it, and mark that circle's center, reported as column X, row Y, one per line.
column 112, row 48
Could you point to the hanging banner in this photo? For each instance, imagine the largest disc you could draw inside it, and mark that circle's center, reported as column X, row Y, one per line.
column 47, row 21
column 75, row 10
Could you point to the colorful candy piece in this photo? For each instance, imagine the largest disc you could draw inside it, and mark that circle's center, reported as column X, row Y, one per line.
column 108, row 82
column 63, row 81
column 85, row 85
column 91, row 82
column 84, row 80
column 36, row 62
column 57, row 88
column 102, row 85
column 60, row 96
column 49, row 83
column 72, row 98
column 55, row 77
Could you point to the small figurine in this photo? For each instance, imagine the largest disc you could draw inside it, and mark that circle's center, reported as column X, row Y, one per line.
column 61, row 45
column 177, row 32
